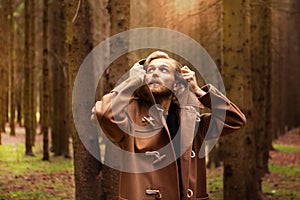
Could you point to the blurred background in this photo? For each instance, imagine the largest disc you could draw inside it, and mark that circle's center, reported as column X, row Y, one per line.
column 255, row 45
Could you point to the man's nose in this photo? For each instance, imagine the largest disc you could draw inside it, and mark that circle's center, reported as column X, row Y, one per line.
column 155, row 73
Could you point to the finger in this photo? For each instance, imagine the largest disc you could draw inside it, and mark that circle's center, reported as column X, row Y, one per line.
column 188, row 75
column 188, row 78
column 186, row 70
column 185, row 67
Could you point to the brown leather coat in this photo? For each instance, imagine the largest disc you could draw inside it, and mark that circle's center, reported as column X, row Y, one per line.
column 140, row 128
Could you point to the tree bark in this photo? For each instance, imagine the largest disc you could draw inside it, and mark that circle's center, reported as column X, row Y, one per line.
column 5, row 64
column 59, row 65
column 32, row 57
column 119, row 13
column 86, row 167
column 12, row 71
column 239, row 153
column 27, row 74
column 45, row 86
column 261, row 68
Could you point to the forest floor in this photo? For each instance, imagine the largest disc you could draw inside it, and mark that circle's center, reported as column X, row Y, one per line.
column 26, row 177
column 283, row 181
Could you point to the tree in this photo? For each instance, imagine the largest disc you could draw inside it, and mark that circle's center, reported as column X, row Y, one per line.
column 239, row 163
column 59, row 66
column 45, row 108
column 27, row 83
column 4, row 63
column 119, row 13
column 12, row 70
column 261, row 68
column 32, row 76
column 86, row 167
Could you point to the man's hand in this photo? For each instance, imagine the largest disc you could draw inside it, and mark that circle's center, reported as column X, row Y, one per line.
column 93, row 115
column 190, row 77
column 137, row 70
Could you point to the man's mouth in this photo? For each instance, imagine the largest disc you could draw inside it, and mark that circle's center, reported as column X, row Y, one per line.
column 154, row 82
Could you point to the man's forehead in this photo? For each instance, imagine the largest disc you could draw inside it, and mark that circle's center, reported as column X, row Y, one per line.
column 161, row 62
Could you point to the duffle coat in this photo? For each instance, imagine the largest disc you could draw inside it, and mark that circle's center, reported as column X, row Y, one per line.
column 156, row 165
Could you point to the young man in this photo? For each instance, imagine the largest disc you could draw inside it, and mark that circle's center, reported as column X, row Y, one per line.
column 154, row 115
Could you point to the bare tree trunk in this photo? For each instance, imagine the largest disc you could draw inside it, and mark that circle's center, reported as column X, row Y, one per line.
column 19, row 62
column 239, row 163
column 59, row 67
column 3, row 57
column 45, row 86
column 261, row 68
column 5, row 64
column 12, row 71
column 292, row 106
column 86, row 167
column 32, row 83
column 27, row 74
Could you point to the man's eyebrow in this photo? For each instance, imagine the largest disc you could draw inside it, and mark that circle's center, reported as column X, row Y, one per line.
column 163, row 65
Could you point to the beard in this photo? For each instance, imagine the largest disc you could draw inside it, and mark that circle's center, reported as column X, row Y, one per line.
column 157, row 89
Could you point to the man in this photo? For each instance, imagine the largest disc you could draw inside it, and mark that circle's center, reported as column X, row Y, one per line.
column 154, row 115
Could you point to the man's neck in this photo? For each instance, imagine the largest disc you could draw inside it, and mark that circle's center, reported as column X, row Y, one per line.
column 164, row 101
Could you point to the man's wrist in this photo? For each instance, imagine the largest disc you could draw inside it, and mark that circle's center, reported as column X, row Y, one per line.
column 199, row 92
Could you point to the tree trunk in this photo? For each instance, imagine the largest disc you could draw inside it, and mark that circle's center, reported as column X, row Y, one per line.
column 86, row 167
column 60, row 131
column 4, row 63
column 45, row 86
column 27, row 74
column 19, row 62
column 239, row 153
column 32, row 80
column 292, row 105
column 12, row 71
column 261, row 68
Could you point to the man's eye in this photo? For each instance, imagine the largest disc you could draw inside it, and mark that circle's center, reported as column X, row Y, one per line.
column 165, row 70
column 150, row 70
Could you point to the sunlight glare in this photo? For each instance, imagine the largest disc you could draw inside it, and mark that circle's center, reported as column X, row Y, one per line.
column 184, row 6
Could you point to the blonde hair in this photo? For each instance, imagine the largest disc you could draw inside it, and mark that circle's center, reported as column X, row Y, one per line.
column 161, row 54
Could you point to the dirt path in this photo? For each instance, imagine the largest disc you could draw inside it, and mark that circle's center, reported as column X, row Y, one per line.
column 20, row 136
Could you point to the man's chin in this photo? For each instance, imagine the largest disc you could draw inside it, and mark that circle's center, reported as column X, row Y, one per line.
column 160, row 90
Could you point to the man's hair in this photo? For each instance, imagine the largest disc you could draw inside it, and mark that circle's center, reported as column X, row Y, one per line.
column 161, row 54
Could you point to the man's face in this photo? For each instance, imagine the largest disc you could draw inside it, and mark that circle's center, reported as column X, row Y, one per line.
column 160, row 76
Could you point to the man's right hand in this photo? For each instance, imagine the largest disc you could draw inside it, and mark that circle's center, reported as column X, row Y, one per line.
column 137, row 70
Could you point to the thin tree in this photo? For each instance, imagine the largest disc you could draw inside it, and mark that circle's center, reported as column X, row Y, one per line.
column 59, row 66
column 4, row 63
column 45, row 86
column 1, row 67
column 32, row 57
column 12, row 70
column 27, row 74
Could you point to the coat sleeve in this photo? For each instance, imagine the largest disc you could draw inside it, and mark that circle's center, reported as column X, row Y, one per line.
column 225, row 118
column 111, row 111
